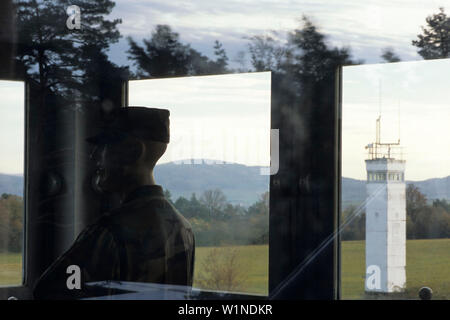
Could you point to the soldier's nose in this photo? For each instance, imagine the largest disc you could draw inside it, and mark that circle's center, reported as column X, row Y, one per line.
column 96, row 155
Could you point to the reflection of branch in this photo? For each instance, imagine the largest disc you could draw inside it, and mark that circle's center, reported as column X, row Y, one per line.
column 51, row 84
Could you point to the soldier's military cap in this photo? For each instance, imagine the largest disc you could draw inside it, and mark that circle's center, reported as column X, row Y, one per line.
column 139, row 122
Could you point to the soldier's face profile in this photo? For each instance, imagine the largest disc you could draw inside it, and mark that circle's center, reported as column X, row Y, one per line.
column 109, row 172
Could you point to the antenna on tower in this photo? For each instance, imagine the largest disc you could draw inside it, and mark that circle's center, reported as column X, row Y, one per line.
column 379, row 98
column 378, row 149
column 378, row 122
column 399, row 120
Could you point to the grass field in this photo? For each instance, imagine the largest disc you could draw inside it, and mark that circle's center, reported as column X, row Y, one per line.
column 10, row 269
column 253, row 260
column 428, row 264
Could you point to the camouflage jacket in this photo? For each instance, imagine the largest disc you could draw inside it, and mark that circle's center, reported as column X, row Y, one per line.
column 144, row 240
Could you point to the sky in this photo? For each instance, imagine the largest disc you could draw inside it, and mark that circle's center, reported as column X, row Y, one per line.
column 413, row 99
column 224, row 117
column 12, row 127
column 365, row 26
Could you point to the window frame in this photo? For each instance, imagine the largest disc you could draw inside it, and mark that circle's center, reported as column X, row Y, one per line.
column 22, row 291
column 284, row 257
column 204, row 294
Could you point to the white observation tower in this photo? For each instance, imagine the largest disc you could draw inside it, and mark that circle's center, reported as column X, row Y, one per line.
column 385, row 217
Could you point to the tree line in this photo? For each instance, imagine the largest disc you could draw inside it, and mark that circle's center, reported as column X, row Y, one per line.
column 214, row 220
column 306, row 52
column 424, row 219
column 217, row 222
column 11, row 223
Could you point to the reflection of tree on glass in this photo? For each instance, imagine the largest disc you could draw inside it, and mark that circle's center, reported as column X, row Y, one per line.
column 62, row 61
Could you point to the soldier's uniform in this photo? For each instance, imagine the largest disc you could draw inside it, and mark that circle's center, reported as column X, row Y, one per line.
column 144, row 240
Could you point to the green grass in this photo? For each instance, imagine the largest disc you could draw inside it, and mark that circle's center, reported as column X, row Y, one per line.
column 427, row 264
column 253, row 263
column 10, row 269
column 427, row 261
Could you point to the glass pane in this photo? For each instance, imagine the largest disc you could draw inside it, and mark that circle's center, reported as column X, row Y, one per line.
column 396, row 232
column 11, row 181
column 220, row 140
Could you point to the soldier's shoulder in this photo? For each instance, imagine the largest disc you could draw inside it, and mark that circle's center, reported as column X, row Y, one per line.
column 95, row 229
column 147, row 210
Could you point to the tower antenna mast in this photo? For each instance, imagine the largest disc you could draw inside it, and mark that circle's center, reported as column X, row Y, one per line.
column 378, row 149
column 399, row 120
column 378, row 123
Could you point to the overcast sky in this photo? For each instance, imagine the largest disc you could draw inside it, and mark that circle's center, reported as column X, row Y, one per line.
column 224, row 117
column 414, row 100
column 12, row 127
column 365, row 26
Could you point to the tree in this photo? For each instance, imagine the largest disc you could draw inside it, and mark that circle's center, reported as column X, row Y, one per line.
column 426, row 221
column 11, row 223
column 99, row 78
column 221, row 63
column 240, row 59
column 260, row 207
column 356, row 228
column 442, row 203
column 230, row 212
column 45, row 51
column 192, row 208
column 62, row 61
column 416, row 205
column 164, row 55
column 168, row 195
column 197, row 209
column 214, row 201
column 434, row 42
column 216, row 222
column 266, row 54
column 313, row 60
column 222, row 270
column 439, row 224
column 389, row 55
column 182, row 204
column 415, row 201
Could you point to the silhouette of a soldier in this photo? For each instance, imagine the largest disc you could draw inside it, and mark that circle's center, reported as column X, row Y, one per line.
column 145, row 239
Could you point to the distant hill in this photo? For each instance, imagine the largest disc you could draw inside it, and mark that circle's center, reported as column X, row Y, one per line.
column 241, row 184
column 354, row 191
column 12, row 184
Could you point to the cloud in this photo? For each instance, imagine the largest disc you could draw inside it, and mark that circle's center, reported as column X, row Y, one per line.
column 366, row 26
column 12, row 126
column 413, row 102
column 223, row 117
